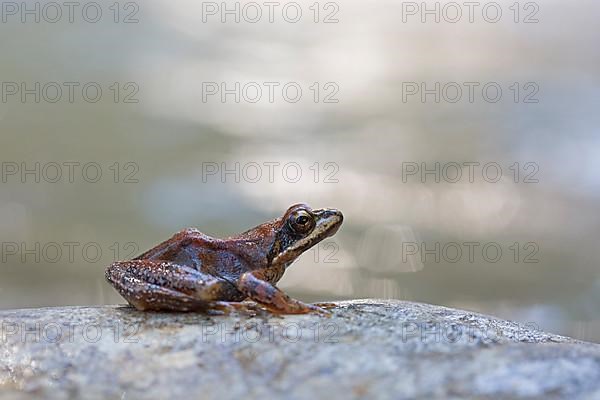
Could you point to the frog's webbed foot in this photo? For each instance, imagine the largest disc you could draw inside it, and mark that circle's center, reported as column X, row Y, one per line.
column 163, row 285
column 273, row 298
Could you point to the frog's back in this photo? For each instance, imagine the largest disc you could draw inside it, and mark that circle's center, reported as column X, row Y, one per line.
column 182, row 248
column 225, row 258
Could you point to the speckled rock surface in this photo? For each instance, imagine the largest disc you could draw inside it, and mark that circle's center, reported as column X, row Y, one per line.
column 367, row 349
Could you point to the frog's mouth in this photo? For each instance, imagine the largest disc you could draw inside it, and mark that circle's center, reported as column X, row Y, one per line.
column 328, row 221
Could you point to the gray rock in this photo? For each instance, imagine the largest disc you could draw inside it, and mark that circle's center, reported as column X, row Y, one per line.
column 367, row 349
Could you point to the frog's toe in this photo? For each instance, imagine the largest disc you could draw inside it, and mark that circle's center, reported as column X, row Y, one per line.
column 314, row 309
column 326, row 306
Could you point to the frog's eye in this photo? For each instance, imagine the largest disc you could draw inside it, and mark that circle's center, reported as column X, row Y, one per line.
column 302, row 221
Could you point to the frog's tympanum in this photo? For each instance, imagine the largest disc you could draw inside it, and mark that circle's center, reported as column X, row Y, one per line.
column 195, row 272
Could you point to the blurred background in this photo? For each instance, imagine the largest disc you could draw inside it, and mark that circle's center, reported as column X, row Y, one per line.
column 461, row 143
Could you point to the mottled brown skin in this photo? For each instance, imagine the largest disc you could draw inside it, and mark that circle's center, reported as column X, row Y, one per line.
column 195, row 272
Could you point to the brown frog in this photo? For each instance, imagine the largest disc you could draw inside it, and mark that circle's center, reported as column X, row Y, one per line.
column 195, row 272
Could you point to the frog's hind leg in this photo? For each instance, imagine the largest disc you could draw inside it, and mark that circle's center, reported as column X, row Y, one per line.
column 163, row 285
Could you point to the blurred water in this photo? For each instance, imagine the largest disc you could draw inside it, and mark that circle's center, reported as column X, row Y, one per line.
column 355, row 154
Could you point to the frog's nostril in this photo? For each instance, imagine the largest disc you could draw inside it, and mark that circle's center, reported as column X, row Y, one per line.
column 333, row 213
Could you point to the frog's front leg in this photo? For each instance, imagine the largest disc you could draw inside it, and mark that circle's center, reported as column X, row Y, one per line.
column 163, row 285
column 271, row 297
